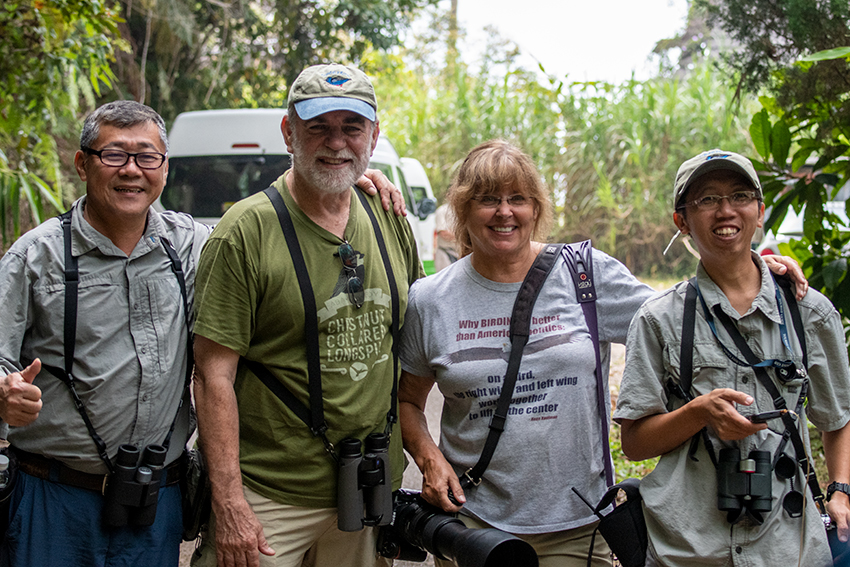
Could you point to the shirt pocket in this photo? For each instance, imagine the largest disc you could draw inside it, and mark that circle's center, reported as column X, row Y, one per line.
column 710, row 369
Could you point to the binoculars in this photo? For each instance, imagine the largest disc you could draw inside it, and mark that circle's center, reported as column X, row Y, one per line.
column 132, row 491
column 365, row 492
column 744, row 485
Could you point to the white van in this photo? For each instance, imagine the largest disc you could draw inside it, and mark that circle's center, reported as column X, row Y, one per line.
column 217, row 157
column 423, row 195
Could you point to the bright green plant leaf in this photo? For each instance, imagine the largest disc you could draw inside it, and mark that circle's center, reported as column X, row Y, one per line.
column 780, row 142
column 828, row 54
column 834, row 272
column 760, row 133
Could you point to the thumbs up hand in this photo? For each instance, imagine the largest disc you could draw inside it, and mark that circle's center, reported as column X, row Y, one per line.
column 20, row 401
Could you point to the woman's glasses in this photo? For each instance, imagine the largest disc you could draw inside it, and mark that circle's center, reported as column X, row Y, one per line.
column 354, row 285
column 492, row 201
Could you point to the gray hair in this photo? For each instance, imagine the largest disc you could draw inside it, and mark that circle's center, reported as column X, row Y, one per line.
column 121, row 114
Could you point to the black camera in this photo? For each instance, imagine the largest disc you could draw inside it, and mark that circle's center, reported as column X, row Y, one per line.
column 132, row 491
column 744, row 485
column 419, row 527
column 365, row 492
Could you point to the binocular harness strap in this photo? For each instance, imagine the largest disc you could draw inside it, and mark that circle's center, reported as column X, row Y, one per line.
column 313, row 416
column 72, row 280
column 682, row 390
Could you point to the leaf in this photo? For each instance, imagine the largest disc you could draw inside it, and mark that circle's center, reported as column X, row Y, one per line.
column 760, row 133
column 827, row 54
column 834, row 272
column 51, row 196
column 800, row 157
column 780, row 206
column 780, row 142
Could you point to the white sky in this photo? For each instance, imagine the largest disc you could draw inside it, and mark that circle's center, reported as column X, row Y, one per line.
column 590, row 40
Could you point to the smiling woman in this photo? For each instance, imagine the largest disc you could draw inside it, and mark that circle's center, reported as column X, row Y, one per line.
column 457, row 334
column 500, row 205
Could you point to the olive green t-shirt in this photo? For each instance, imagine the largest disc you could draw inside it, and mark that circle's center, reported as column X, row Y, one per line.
column 248, row 299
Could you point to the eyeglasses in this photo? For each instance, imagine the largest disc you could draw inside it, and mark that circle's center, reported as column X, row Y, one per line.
column 738, row 199
column 354, row 285
column 119, row 158
column 492, row 201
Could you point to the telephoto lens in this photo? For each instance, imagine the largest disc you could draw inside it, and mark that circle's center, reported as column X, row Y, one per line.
column 349, row 497
column 120, row 491
column 153, row 458
column 376, row 480
column 419, row 524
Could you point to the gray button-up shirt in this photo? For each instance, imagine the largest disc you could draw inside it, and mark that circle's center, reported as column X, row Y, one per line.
column 680, row 495
column 130, row 352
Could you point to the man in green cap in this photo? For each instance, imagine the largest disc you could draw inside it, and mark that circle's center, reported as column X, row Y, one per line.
column 721, row 375
column 294, row 345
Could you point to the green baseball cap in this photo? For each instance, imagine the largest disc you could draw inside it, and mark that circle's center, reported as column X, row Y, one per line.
column 712, row 160
column 325, row 88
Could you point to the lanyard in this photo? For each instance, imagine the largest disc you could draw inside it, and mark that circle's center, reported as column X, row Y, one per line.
column 786, row 368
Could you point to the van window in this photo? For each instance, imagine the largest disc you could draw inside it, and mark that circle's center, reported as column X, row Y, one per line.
column 394, row 175
column 206, row 186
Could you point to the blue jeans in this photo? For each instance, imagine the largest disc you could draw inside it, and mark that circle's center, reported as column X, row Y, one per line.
column 55, row 524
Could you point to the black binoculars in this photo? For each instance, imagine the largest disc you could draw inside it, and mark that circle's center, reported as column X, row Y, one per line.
column 365, row 491
column 744, row 485
column 132, row 491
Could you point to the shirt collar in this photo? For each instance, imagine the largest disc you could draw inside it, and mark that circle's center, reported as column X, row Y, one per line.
column 85, row 238
column 765, row 301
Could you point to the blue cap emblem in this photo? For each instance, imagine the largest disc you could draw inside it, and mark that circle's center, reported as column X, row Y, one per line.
column 337, row 79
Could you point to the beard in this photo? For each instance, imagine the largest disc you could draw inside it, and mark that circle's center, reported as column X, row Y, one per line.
column 329, row 181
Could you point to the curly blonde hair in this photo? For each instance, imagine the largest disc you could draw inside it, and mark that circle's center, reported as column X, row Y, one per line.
column 487, row 169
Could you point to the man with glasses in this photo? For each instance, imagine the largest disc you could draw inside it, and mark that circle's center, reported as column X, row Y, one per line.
column 295, row 339
column 721, row 374
column 110, row 332
column 94, row 354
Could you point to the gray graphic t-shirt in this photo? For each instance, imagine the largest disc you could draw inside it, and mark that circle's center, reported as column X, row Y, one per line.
column 456, row 332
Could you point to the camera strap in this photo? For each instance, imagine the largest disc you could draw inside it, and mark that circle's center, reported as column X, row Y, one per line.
column 578, row 257
column 686, row 375
column 313, row 416
column 519, row 332
column 72, row 280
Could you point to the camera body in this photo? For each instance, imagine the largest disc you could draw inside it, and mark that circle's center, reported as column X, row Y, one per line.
column 744, row 484
column 133, row 489
column 365, row 492
column 418, row 528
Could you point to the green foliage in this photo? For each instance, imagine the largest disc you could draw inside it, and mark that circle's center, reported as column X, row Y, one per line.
column 814, row 131
column 190, row 55
column 609, row 153
column 438, row 117
column 796, row 52
column 623, row 466
column 52, row 52
column 771, row 34
column 623, row 148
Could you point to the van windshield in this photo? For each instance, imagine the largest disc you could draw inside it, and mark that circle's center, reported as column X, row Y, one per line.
column 206, row 186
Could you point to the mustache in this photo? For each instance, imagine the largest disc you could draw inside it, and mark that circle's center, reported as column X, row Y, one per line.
column 342, row 154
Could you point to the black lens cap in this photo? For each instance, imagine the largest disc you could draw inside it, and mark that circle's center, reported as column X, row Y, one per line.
column 785, row 467
column 793, row 503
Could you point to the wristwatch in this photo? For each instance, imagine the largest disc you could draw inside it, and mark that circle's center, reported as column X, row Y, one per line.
column 839, row 486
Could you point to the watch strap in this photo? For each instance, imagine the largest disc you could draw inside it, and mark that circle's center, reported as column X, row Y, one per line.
column 839, row 486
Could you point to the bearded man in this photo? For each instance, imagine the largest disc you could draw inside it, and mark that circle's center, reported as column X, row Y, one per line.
column 313, row 313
